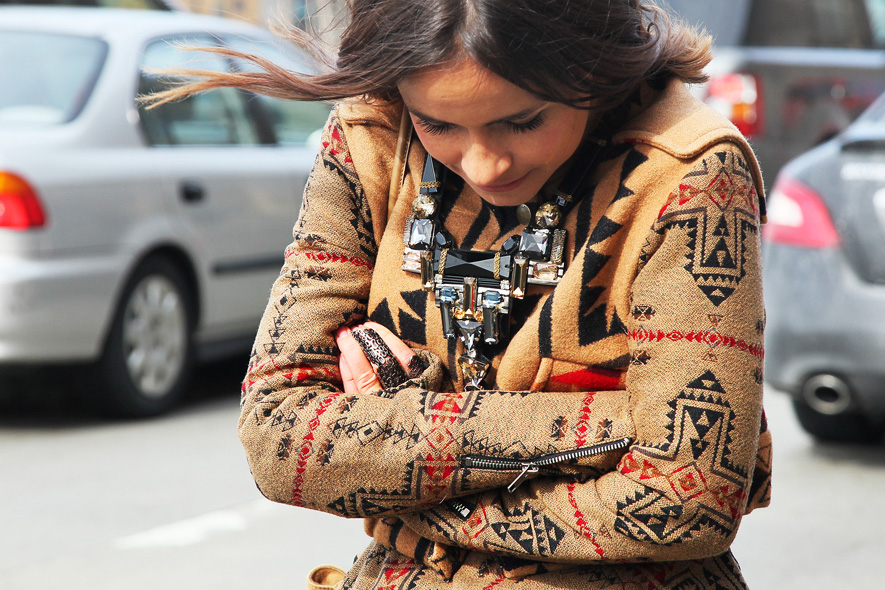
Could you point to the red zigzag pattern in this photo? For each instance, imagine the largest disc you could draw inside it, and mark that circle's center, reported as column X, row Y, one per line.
column 306, row 449
column 710, row 338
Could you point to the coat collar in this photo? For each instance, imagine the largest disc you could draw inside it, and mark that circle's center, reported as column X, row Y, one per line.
column 682, row 126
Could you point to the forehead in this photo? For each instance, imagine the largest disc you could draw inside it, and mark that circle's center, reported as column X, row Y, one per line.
column 464, row 91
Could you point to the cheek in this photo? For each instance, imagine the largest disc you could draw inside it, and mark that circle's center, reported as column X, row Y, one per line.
column 441, row 147
column 566, row 136
column 553, row 145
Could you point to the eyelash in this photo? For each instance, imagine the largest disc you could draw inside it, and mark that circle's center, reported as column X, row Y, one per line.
column 439, row 129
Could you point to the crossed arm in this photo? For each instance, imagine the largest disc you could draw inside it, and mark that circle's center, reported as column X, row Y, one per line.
column 321, row 433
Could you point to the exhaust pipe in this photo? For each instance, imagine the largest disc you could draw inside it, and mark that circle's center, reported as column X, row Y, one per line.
column 827, row 394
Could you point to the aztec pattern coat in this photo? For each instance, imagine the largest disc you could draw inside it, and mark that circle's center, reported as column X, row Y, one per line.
column 654, row 334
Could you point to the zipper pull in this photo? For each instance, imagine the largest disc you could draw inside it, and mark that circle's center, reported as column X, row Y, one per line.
column 527, row 468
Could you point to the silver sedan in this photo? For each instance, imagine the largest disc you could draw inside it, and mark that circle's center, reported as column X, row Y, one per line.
column 139, row 240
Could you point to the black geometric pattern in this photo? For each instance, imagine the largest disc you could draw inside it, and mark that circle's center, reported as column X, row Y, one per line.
column 595, row 321
column 715, row 247
column 700, row 426
column 413, row 328
column 528, row 528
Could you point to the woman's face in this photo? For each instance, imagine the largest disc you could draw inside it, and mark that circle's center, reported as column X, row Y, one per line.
column 502, row 140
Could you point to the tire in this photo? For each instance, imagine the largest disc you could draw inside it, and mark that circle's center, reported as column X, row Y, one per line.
column 148, row 356
column 848, row 427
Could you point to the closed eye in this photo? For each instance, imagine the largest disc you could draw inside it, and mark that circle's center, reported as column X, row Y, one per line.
column 431, row 128
column 531, row 125
column 439, row 128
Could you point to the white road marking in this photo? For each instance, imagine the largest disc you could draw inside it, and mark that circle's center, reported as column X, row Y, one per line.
column 193, row 530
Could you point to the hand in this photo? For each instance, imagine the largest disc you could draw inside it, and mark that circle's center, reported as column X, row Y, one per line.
column 358, row 373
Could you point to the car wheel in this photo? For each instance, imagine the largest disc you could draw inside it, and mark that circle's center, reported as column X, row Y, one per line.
column 148, row 356
column 825, row 410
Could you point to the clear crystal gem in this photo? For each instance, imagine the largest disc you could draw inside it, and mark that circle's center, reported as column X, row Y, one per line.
column 533, row 244
column 546, row 271
column 422, row 234
column 412, row 260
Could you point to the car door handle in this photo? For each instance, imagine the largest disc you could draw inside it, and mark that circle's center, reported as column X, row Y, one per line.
column 191, row 191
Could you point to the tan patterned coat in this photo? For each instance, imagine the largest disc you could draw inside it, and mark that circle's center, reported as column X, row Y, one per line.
column 655, row 334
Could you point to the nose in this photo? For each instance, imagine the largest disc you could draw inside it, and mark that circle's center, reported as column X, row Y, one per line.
column 484, row 163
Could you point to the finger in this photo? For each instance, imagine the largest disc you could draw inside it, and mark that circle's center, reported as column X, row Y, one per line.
column 403, row 353
column 346, row 376
column 385, row 363
column 361, row 371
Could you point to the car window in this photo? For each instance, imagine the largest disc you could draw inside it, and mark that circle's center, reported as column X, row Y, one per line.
column 725, row 20
column 293, row 122
column 218, row 117
column 810, row 23
column 876, row 10
column 788, row 23
column 131, row 4
column 46, row 78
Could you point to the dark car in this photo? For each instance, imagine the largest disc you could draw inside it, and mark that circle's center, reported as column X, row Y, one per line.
column 791, row 73
column 825, row 283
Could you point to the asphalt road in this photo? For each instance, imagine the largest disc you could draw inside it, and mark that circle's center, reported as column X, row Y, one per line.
column 168, row 503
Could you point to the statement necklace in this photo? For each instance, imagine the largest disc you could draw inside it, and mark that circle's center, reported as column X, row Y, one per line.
column 474, row 290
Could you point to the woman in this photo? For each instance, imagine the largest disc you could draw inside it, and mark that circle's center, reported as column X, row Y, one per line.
column 569, row 276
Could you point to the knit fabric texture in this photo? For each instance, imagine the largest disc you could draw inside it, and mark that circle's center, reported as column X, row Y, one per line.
column 654, row 334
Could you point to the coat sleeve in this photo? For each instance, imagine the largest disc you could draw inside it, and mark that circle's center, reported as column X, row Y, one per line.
column 695, row 390
column 309, row 444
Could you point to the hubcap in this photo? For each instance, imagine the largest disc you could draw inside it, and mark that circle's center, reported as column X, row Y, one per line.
column 154, row 336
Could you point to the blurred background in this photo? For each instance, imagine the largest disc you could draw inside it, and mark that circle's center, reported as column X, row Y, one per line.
column 137, row 248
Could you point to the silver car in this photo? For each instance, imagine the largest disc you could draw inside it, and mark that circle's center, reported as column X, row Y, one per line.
column 139, row 240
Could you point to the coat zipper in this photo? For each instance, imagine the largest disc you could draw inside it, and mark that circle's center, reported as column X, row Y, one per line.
column 539, row 464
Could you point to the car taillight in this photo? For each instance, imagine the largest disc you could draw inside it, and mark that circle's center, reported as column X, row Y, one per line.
column 797, row 216
column 738, row 97
column 19, row 206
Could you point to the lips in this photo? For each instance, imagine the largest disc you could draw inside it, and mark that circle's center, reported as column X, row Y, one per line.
column 502, row 188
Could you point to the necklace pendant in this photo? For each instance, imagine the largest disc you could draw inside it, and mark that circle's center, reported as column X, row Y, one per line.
column 520, row 276
column 492, row 305
column 446, row 300
column 524, row 214
column 474, row 369
column 426, row 258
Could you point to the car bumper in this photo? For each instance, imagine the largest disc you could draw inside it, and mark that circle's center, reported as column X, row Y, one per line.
column 56, row 310
column 821, row 318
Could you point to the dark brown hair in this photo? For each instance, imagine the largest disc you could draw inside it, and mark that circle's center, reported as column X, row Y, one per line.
column 568, row 51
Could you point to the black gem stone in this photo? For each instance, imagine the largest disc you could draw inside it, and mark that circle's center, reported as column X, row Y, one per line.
column 511, row 244
column 470, row 332
column 443, row 240
column 534, row 245
column 470, row 263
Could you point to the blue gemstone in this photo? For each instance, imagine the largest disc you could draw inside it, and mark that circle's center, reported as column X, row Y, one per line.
column 448, row 294
column 491, row 298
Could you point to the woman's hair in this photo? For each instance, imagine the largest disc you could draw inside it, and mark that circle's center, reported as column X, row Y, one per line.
column 567, row 51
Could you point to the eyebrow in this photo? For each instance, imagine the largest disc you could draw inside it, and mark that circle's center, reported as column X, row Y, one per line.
column 518, row 115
